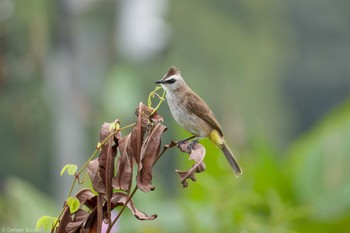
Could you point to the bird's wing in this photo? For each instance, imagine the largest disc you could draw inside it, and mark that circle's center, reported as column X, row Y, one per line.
column 196, row 105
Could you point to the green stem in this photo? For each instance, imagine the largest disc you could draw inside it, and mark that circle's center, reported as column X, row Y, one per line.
column 151, row 95
column 85, row 165
column 102, row 143
column 161, row 99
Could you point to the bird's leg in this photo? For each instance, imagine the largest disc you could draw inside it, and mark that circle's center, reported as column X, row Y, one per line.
column 194, row 141
column 185, row 140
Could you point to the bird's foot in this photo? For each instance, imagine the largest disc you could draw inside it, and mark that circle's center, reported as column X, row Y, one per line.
column 190, row 146
column 185, row 140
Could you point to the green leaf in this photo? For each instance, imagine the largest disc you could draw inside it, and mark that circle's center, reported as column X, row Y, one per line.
column 73, row 204
column 70, row 168
column 46, row 222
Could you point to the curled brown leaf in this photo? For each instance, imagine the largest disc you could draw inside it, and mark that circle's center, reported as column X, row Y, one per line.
column 149, row 152
column 64, row 220
column 197, row 154
column 142, row 112
column 70, row 223
column 156, row 118
column 119, row 199
column 95, row 176
column 123, row 178
column 86, row 197
column 79, row 220
column 101, row 170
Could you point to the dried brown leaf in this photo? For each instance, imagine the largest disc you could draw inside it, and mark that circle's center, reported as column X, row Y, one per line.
column 123, row 179
column 109, row 172
column 138, row 132
column 91, row 223
column 119, row 199
column 107, row 155
column 106, row 160
column 95, row 176
column 104, row 133
column 156, row 118
column 86, row 197
column 144, row 113
column 197, row 154
column 99, row 209
column 69, row 222
column 79, row 219
column 149, row 152
column 64, row 220
column 101, row 170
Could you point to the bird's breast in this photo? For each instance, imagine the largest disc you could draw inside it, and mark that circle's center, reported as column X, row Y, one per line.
column 184, row 117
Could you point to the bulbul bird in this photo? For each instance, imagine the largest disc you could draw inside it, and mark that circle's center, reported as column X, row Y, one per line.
column 193, row 114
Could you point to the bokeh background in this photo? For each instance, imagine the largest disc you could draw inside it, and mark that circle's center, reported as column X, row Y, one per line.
column 276, row 73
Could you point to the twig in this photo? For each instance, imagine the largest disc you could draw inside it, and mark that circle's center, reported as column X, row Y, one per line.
column 122, row 209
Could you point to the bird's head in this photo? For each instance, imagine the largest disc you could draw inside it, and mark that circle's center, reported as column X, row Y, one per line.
column 172, row 80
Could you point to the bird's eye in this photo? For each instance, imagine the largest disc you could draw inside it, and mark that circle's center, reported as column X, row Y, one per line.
column 171, row 81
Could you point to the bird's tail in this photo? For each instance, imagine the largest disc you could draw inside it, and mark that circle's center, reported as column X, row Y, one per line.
column 216, row 138
column 231, row 159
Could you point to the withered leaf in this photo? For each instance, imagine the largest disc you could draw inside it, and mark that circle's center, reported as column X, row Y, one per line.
column 87, row 197
column 123, row 179
column 79, row 219
column 156, row 118
column 91, row 223
column 107, row 155
column 109, row 172
column 101, row 170
column 102, row 158
column 69, row 224
column 149, row 152
column 99, row 210
column 95, row 176
column 64, row 220
column 197, row 154
column 142, row 112
column 119, row 199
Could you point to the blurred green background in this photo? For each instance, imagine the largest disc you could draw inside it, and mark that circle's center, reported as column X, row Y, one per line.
column 276, row 73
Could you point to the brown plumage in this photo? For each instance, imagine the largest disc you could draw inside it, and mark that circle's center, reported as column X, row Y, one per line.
column 192, row 113
column 196, row 105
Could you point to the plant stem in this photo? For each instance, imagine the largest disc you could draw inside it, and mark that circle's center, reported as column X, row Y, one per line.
column 102, row 143
column 161, row 99
column 85, row 165
column 122, row 209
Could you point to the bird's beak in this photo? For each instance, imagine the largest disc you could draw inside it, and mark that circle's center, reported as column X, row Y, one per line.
column 160, row 81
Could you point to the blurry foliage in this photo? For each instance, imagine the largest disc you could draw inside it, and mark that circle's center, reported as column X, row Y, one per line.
column 242, row 48
column 319, row 164
column 22, row 203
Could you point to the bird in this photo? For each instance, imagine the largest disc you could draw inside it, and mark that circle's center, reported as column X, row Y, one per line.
column 193, row 114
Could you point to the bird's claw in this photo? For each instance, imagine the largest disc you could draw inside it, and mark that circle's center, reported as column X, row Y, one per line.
column 184, row 140
column 190, row 146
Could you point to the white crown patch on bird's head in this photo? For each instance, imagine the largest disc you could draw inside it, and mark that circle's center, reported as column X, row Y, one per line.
column 173, row 70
